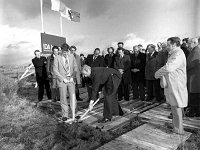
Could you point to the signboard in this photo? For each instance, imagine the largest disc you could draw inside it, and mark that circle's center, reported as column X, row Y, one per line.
column 48, row 41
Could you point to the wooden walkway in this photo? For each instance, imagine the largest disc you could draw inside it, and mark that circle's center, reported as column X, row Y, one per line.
column 147, row 137
column 131, row 110
column 154, row 134
column 161, row 113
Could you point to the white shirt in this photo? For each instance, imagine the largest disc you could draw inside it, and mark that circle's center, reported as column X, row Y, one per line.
column 152, row 53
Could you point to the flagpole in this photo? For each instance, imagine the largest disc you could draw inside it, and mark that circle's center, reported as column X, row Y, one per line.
column 41, row 9
column 61, row 27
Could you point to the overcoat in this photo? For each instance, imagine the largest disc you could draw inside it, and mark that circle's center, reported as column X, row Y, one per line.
column 150, row 67
column 175, row 74
column 193, row 70
column 78, row 74
column 125, row 64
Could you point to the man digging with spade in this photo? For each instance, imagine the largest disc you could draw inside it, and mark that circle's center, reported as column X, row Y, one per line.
column 109, row 79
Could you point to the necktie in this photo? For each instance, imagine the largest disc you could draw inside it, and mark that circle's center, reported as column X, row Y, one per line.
column 67, row 65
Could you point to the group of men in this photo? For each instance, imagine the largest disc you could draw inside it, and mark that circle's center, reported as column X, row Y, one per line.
column 164, row 72
column 60, row 75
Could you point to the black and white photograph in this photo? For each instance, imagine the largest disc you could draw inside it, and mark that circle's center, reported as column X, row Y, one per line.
column 99, row 75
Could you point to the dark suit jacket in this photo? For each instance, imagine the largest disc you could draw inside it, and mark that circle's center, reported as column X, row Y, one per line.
column 138, row 62
column 125, row 64
column 185, row 50
column 98, row 62
column 161, row 59
column 82, row 61
column 150, row 67
column 109, row 60
column 99, row 77
column 193, row 70
column 40, row 66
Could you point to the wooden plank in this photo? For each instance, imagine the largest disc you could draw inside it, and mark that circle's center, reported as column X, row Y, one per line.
column 144, row 108
column 119, row 123
column 118, row 145
column 186, row 122
column 148, row 137
column 159, row 114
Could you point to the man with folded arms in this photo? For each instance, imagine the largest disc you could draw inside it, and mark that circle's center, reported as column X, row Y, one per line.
column 65, row 69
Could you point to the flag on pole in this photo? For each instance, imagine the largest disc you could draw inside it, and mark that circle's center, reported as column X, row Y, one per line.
column 65, row 12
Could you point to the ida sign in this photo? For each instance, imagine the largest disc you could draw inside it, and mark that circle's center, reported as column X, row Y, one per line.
column 48, row 41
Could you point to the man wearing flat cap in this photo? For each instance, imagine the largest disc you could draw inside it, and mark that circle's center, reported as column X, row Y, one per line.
column 65, row 68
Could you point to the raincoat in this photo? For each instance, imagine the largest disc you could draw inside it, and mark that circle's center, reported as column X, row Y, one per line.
column 174, row 73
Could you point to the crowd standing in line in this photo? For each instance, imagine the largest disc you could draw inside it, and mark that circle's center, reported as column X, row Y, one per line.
column 169, row 72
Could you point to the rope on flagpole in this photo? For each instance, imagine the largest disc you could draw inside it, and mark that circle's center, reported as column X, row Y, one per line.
column 61, row 26
column 42, row 20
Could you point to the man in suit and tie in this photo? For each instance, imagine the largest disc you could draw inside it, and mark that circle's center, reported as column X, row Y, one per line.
column 153, row 84
column 123, row 64
column 109, row 58
column 39, row 63
column 78, row 76
column 108, row 78
column 65, row 68
column 94, row 60
column 138, row 61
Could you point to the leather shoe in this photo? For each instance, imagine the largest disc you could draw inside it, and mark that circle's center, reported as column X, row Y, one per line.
column 190, row 114
column 79, row 99
column 104, row 120
column 64, row 118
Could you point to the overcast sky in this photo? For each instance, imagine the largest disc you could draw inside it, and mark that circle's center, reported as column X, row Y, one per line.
column 103, row 23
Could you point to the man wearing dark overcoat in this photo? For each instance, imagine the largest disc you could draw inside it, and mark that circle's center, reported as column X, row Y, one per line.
column 193, row 78
column 138, row 61
column 94, row 60
column 39, row 63
column 123, row 64
column 109, row 79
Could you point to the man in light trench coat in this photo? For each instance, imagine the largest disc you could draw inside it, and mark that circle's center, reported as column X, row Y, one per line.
column 173, row 77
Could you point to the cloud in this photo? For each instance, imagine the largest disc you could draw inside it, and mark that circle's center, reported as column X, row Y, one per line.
column 130, row 40
column 78, row 40
column 96, row 8
column 21, row 9
column 17, row 45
